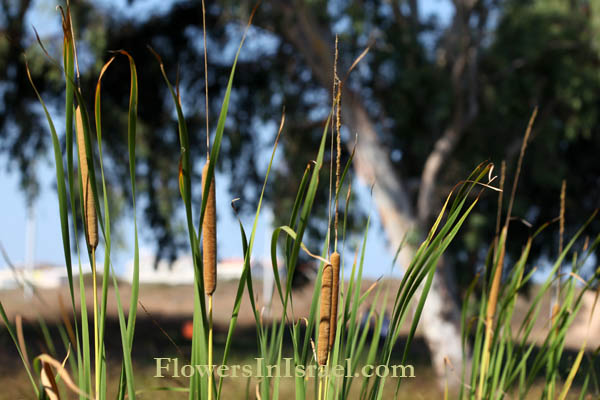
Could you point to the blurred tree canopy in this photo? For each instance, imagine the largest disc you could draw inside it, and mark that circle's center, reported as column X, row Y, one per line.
column 443, row 92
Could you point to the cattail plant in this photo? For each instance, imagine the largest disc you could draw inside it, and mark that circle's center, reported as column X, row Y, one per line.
column 209, row 257
column 335, row 287
column 324, row 324
column 209, row 224
column 91, row 230
column 335, row 257
column 209, row 235
column 89, row 204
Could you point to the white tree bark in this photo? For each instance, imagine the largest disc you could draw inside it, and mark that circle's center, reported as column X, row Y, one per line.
column 440, row 320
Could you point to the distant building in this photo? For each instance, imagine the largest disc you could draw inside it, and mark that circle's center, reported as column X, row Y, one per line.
column 41, row 276
column 181, row 271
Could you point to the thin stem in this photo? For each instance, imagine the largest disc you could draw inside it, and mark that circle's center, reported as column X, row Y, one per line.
column 320, row 388
column 210, row 345
column 205, row 79
column 333, row 104
column 485, row 360
column 326, row 379
column 338, row 97
column 96, row 344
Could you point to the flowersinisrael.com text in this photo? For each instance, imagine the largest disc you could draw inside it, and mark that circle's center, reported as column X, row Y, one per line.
column 172, row 368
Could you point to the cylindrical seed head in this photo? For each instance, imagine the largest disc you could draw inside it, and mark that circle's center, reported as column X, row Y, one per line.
column 209, row 236
column 335, row 288
column 325, row 312
column 89, row 204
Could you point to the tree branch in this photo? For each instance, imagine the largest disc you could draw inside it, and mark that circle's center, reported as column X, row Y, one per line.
column 464, row 73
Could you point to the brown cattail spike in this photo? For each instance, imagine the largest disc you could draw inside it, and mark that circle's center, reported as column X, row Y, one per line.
column 209, row 236
column 89, row 204
column 323, row 344
column 335, row 288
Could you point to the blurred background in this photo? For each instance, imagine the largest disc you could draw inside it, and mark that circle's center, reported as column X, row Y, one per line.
column 445, row 85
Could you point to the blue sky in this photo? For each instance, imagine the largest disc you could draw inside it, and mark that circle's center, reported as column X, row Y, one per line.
column 48, row 245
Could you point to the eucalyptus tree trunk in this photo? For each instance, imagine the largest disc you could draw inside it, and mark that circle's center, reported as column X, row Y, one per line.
column 440, row 320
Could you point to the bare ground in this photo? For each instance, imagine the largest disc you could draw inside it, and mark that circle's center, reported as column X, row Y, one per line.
column 159, row 333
